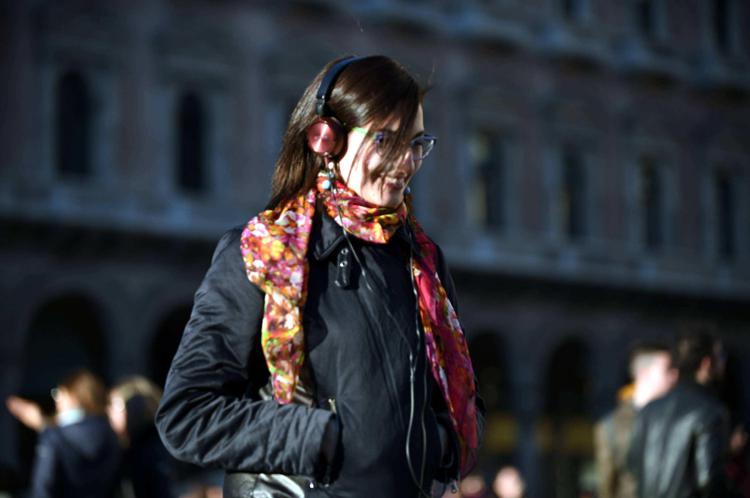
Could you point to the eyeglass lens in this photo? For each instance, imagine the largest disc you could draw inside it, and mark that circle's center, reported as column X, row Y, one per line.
column 420, row 147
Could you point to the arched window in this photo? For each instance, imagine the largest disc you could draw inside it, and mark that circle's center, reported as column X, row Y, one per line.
column 652, row 204
column 573, row 194
column 487, row 196
column 650, row 19
column 722, row 26
column 191, row 144
column 73, row 115
column 645, row 17
column 165, row 341
column 725, row 211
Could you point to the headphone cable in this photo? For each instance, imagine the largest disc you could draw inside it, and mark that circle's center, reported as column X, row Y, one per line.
column 412, row 359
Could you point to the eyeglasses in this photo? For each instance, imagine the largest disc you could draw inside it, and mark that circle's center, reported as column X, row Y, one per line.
column 419, row 147
column 54, row 393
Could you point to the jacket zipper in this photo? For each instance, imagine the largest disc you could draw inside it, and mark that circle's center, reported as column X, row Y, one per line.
column 377, row 331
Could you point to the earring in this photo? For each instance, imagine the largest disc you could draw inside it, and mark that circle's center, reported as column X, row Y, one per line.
column 328, row 183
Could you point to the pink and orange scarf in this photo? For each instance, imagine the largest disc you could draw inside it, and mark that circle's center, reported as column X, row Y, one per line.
column 274, row 248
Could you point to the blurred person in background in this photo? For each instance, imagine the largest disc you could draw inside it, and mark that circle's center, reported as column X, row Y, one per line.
column 77, row 454
column 472, row 486
column 680, row 441
column 738, row 469
column 509, row 483
column 652, row 375
column 148, row 469
column 324, row 349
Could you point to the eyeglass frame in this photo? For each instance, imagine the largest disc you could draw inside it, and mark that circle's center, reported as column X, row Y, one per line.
column 414, row 159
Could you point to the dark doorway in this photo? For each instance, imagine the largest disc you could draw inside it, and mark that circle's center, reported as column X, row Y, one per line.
column 64, row 334
column 166, row 339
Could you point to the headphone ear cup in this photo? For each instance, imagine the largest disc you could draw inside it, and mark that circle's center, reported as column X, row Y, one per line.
column 326, row 137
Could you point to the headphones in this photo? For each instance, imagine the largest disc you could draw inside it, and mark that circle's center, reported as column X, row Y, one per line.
column 326, row 136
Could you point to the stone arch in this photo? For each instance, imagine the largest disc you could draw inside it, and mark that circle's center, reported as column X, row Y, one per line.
column 488, row 355
column 566, row 433
column 490, row 358
column 166, row 337
column 733, row 387
column 567, row 390
column 65, row 332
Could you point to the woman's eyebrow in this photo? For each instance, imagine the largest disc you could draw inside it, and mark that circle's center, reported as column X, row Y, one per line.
column 417, row 134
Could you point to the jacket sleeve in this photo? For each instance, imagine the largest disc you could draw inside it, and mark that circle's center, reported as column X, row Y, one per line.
column 210, row 413
column 636, row 448
column 711, row 439
column 605, row 463
column 44, row 474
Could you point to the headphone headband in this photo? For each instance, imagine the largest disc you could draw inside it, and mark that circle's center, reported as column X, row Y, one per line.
column 327, row 84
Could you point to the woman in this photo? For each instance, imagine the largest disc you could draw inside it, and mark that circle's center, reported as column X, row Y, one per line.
column 148, row 470
column 323, row 356
column 77, row 454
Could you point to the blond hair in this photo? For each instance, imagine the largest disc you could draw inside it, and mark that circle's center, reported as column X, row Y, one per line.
column 137, row 385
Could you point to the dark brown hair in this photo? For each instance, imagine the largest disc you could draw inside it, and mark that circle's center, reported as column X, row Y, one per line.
column 695, row 342
column 88, row 390
column 374, row 89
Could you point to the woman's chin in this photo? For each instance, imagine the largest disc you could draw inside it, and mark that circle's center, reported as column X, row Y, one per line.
column 384, row 197
column 389, row 200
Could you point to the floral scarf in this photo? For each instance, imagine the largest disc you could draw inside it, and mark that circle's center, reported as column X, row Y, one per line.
column 274, row 248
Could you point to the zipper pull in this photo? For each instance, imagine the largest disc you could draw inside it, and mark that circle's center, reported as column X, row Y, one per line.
column 344, row 269
column 332, row 405
column 454, row 486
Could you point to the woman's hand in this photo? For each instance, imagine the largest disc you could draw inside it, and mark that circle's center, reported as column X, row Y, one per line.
column 26, row 411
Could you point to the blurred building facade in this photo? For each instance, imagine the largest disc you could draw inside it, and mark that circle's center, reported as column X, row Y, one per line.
column 591, row 185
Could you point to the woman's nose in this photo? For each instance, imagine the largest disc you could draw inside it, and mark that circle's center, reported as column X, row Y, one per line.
column 407, row 160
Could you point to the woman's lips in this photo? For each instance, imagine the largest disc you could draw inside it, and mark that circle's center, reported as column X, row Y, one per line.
column 395, row 183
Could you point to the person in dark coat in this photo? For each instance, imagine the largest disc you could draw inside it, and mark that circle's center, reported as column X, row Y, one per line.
column 653, row 376
column 679, row 446
column 77, row 454
column 148, row 470
column 324, row 355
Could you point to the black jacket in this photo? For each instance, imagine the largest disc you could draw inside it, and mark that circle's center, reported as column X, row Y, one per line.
column 359, row 332
column 79, row 460
column 679, row 444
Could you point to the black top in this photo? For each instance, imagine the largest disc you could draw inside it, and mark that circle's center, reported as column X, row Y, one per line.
column 79, row 460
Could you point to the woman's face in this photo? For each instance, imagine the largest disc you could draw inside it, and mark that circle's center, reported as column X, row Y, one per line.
column 361, row 161
column 65, row 401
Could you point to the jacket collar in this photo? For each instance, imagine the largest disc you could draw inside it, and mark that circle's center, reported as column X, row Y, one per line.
column 326, row 235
